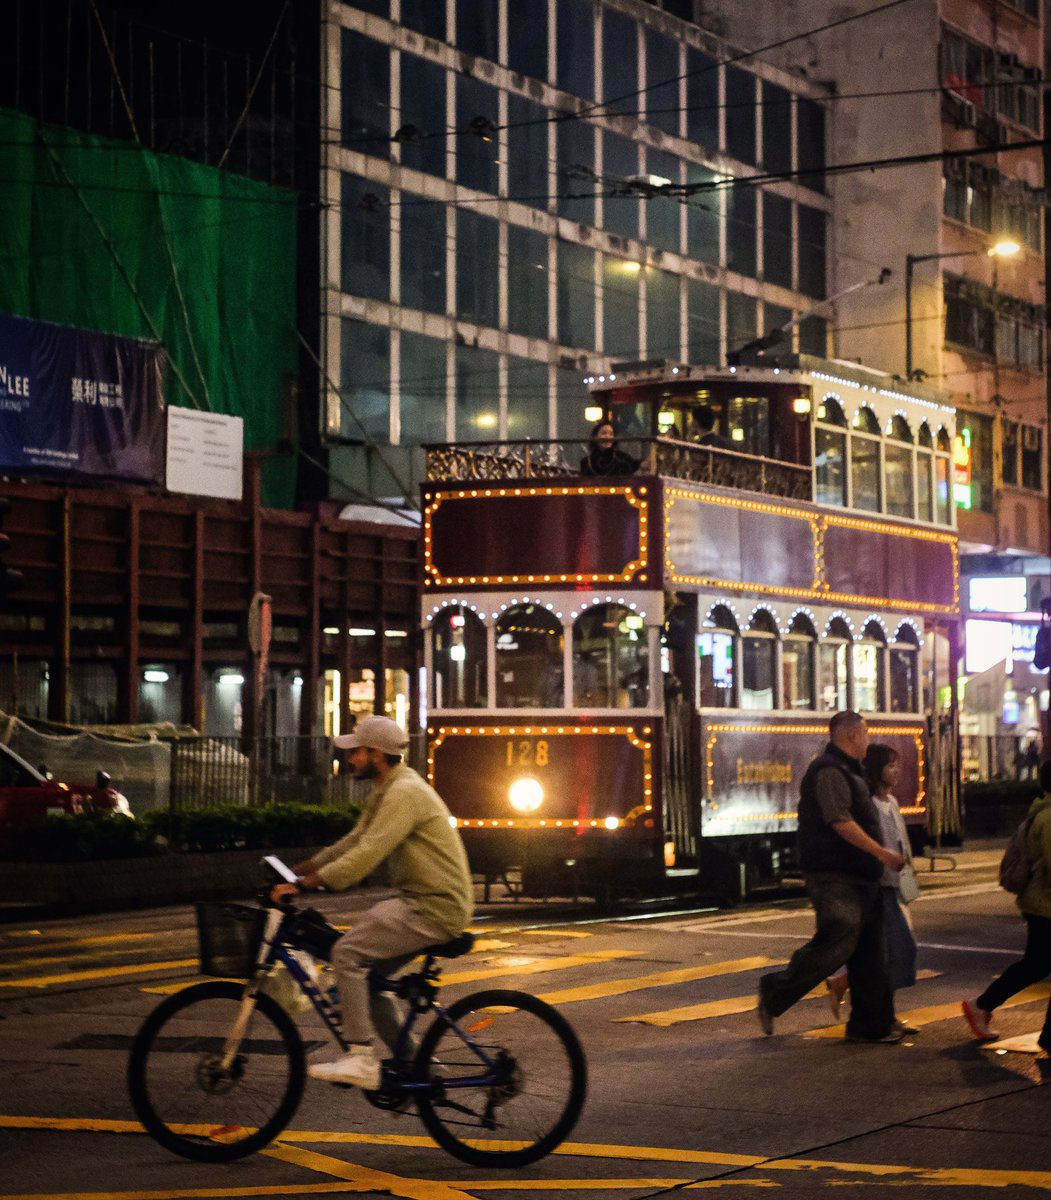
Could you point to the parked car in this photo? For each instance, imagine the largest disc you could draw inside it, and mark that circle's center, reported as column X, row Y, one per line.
column 27, row 793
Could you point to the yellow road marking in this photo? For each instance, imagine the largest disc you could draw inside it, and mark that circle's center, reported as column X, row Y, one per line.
column 943, row 1012
column 570, row 933
column 617, row 987
column 354, row 1177
column 42, row 981
column 538, row 966
column 366, row 1178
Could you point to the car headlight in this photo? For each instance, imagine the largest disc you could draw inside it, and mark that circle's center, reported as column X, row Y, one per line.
column 526, row 794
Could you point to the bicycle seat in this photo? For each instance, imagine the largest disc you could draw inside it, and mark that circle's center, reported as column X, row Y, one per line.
column 461, row 944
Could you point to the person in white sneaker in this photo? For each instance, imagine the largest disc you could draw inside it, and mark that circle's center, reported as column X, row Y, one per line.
column 1035, row 906
column 406, row 828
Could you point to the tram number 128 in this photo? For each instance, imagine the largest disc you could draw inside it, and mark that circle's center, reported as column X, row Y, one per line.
column 527, row 753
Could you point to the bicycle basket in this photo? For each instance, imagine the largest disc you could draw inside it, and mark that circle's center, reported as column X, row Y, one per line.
column 228, row 937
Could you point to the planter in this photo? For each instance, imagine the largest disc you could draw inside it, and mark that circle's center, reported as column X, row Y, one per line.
column 993, row 820
column 115, row 884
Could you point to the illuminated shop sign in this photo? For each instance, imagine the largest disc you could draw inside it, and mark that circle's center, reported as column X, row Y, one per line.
column 961, row 459
column 1000, row 594
column 988, row 643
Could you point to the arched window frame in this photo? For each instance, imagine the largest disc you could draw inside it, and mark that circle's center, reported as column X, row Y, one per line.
column 800, row 636
column 903, row 660
column 871, row 645
column 944, row 504
column 613, row 689
column 866, row 437
column 551, row 676
column 899, row 466
column 760, row 652
column 830, row 436
column 472, row 633
column 835, row 665
column 720, row 623
column 925, row 476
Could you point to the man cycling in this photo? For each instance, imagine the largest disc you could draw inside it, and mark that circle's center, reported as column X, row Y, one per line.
column 406, row 828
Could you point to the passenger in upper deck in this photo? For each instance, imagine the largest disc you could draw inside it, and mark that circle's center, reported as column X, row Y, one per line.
column 702, row 428
column 605, row 457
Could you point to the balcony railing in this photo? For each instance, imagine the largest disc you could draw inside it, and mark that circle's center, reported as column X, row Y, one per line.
column 488, row 462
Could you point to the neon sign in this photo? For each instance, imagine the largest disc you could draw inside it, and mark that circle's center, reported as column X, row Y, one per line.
column 961, row 462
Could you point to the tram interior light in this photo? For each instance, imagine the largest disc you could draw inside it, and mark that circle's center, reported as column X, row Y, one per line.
column 669, row 854
column 593, row 413
column 801, row 405
column 526, row 794
column 458, row 652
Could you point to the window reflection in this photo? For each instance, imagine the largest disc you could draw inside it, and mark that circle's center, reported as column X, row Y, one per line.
column 758, row 659
column 610, row 658
column 832, row 667
column 904, row 674
column 459, row 659
column 528, row 658
column 868, row 669
column 797, row 664
column 716, row 661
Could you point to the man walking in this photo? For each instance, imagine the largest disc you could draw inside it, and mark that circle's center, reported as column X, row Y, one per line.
column 405, row 827
column 842, row 861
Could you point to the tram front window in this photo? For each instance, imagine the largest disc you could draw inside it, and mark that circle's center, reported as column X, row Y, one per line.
column 610, row 658
column 528, row 658
column 459, row 659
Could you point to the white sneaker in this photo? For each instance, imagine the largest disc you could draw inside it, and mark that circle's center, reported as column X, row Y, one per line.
column 359, row 1066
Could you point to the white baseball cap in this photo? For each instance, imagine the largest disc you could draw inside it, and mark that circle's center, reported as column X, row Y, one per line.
column 374, row 733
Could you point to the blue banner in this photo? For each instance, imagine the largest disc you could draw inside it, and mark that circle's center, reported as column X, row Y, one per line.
column 75, row 402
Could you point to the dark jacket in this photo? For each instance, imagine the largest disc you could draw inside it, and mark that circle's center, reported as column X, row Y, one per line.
column 821, row 850
column 613, row 461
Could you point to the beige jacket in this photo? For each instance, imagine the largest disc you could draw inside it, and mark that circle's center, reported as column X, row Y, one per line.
column 406, row 827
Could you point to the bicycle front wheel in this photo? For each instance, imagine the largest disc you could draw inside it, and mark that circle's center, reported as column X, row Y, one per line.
column 184, row 1096
column 528, row 1096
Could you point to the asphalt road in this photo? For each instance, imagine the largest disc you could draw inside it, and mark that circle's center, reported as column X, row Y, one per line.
column 685, row 1094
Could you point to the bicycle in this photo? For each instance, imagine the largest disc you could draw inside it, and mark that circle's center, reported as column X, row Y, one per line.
column 217, row 1070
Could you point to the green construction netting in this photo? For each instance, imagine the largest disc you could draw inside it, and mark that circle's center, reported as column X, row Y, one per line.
column 108, row 236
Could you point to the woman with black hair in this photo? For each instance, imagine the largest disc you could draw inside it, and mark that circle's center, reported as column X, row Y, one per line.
column 604, row 456
column 897, row 888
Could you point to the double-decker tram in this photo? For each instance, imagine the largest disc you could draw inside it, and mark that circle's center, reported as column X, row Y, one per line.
column 628, row 674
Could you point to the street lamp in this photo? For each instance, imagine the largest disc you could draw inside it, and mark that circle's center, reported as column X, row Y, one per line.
column 1004, row 248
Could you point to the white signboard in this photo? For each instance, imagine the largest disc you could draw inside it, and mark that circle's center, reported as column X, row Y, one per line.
column 205, row 453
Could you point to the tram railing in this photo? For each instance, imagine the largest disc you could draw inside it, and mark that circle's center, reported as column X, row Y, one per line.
column 561, row 458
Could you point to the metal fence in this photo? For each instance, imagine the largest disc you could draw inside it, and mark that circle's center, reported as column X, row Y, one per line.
column 210, row 771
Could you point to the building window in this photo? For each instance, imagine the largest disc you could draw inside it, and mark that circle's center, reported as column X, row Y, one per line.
column 702, row 99
column 576, row 296
column 740, row 113
column 477, row 394
column 527, row 37
column 777, row 239
column 620, row 62
column 1009, row 458
column 422, row 389
column 425, row 16
column 527, row 278
column 741, row 320
column 777, row 128
column 575, row 180
column 702, row 321
column 477, row 149
column 575, row 47
column 529, row 669
column 610, row 658
column 477, row 27
column 620, row 296
column 1032, row 455
column 662, row 78
column 810, row 144
column 979, row 428
column 703, row 217
column 365, row 95
column 422, row 112
column 365, row 238
column 423, row 246
column 812, row 254
column 662, row 314
column 527, row 156
column 620, row 162
column 459, row 653
column 477, row 268
column 365, row 382
column 662, row 212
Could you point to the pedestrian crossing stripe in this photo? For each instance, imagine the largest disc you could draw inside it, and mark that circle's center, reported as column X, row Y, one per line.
column 942, row 1012
column 637, row 983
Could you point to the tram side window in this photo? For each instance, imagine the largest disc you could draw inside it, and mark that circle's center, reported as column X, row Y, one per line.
column 797, row 664
column 459, row 652
column 864, row 461
column 716, row 665
column 611, row 665
column 758, row 663
column 830, row 454
column 528, row 658
column 904, row 672
column 869, row 669
column 832, row 667
column 748, row 420
column 898, row 466
column 924, row 474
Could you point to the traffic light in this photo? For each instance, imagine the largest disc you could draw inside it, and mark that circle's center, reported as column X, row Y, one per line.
column 10, row 578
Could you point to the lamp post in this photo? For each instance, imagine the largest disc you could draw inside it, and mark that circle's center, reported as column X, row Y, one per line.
column 1004, row 248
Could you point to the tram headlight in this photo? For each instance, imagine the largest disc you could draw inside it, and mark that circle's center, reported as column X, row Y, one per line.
column 612, row 822
column 526, row 794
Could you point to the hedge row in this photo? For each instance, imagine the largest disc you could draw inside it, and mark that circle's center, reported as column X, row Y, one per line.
column 84, row 837
column 988, row 792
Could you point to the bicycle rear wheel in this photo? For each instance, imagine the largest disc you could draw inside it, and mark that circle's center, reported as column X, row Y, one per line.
column 539, row 1093
column 182, row 1094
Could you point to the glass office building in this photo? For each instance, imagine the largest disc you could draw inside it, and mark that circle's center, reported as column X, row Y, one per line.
column 498, row 221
